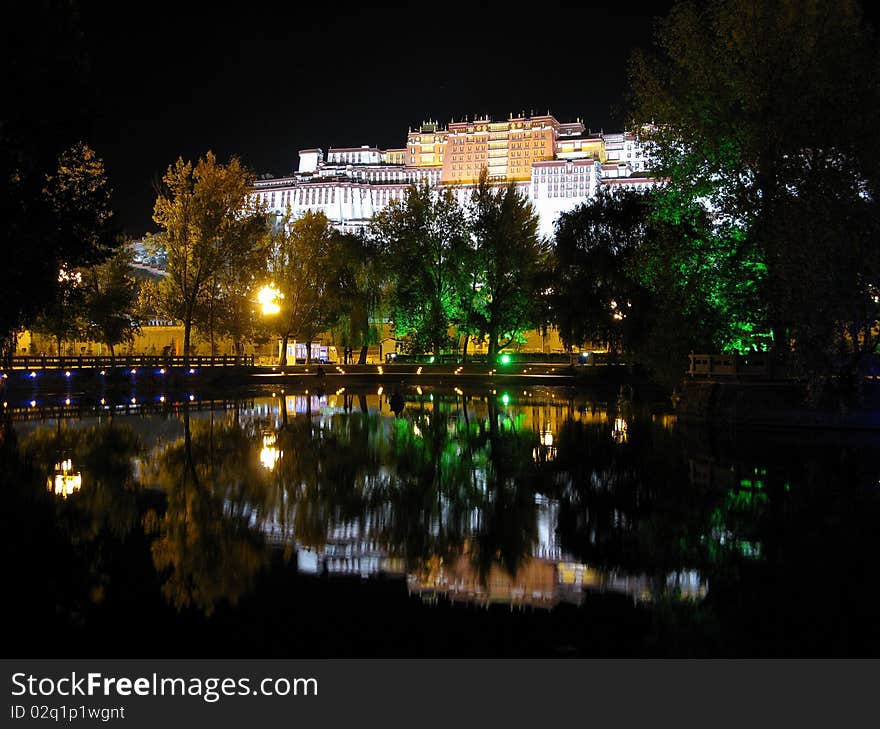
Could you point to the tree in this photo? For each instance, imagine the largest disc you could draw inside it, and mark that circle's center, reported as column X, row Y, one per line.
column 228, row 307
column 76, row 203
column 304, row 259
column 111, row 300
column 511, row 258
column 597, row 295
column 37, row 132
column 362, row 292
column 208, row 217
column 764, row 113
column 422, row 240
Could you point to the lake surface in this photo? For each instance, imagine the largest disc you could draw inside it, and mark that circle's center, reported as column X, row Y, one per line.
column 536, row 522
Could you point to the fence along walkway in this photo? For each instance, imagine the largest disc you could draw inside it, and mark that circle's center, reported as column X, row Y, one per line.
column 129, row 360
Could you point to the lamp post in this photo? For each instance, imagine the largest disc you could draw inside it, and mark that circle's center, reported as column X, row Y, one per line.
column 269, row 298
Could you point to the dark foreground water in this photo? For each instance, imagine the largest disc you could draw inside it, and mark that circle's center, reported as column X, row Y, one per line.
column 541, row 522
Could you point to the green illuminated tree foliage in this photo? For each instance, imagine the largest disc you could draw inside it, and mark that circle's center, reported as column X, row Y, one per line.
column 765, row 114
column 511, row 259
column 421, row 240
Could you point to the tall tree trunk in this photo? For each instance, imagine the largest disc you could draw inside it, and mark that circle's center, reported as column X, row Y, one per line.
column 282, row 360
column 187, row 330
column 467, row 338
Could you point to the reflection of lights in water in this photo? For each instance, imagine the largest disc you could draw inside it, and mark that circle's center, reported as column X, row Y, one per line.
column 619, row 432
column 269, row 454
column 64, row 481
column 546, row 451
column 380, row 390
column 416, row 431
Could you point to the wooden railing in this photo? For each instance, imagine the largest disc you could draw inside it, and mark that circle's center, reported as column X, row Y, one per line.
column 729, row 365
column 129, row 360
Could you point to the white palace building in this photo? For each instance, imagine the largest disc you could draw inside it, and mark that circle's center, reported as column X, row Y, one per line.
column 557, row 165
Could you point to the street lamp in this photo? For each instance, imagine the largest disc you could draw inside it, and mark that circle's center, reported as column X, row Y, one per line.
column 268, row 298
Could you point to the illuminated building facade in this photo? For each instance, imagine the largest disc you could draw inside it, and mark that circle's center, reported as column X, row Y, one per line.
column 557, row 165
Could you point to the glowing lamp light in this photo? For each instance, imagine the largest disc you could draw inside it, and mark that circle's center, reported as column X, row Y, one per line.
column 505, row 399
column 103, row 373
column 269, row 453
column 380, row 390
column 192, row 370
column 380, row 370
column 161, row 398
column 64, row 481
column 134, row 372
column 67, row 374
column 162, row 371
column 268, row 298
column 33, row 403
column 505, row 359
column 133, row 400
column 67, row 401
column 619, row 434
column 32, row 374
column 431, row 360
column 419, row 390
column 192, row 397
column 419, row 371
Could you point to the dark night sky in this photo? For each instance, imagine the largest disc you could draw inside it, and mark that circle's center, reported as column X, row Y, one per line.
column 265, row 80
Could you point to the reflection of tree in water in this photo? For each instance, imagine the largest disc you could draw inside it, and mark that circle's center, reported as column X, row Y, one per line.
column 102, row 513
column 433, row 483
column 104, row 454
column 629, row 504
column 205, row 546
column 508, row 528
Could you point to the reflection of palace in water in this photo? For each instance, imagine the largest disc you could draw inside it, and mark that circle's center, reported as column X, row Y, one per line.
column 544, row 578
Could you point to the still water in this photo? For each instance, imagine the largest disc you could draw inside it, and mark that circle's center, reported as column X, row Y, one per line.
column 431, row 522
